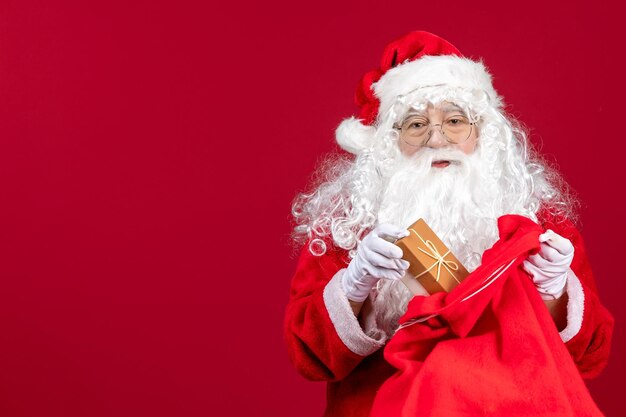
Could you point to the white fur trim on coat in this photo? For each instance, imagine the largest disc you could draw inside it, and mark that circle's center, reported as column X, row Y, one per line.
column 362, row 341
column 575, row 307
column 353, row 136
column 453, row 71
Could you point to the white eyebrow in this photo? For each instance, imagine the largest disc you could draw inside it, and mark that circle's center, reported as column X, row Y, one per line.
column 452, row 107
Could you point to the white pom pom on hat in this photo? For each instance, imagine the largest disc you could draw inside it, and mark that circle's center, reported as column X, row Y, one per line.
column 354, row 136
column 417, row 59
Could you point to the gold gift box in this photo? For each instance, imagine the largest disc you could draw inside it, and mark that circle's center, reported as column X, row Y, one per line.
column 432, row 263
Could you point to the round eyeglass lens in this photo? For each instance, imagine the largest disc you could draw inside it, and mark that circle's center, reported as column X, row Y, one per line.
column 415, row 130
column 456, row 129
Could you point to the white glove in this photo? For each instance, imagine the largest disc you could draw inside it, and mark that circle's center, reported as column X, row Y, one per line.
column 548, row 268
column 376, row 258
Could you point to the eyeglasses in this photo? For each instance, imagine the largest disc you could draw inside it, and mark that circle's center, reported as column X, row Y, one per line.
column 416, row 130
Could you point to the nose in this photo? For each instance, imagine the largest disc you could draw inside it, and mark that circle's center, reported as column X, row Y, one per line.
column 436, row 139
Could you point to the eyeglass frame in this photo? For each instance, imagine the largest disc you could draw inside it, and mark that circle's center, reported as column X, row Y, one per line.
column 430, row 132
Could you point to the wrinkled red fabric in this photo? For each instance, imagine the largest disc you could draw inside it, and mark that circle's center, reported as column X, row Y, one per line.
column 497, row 353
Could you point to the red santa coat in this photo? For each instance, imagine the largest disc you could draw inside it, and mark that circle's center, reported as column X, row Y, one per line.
column 326, row 342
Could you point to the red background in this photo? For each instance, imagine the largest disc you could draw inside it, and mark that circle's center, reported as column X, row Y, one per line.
column 149, row 153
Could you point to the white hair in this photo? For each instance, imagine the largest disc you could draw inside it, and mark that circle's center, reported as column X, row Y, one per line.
column 344, row 201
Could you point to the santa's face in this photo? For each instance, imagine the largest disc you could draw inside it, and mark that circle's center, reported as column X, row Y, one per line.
column 435, row 121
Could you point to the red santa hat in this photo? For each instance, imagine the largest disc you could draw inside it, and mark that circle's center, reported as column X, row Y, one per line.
column 418, row 59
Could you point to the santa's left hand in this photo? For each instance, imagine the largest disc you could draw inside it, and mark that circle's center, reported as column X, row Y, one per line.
column 548, row 268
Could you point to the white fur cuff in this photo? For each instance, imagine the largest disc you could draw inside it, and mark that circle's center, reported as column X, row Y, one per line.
column 346, row 324
column 575, row 307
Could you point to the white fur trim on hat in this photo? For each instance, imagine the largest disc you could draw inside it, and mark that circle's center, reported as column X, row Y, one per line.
column 453, row 71
column 353, row 136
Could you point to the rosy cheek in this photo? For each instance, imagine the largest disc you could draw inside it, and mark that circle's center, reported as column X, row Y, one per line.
column 408, row 150
column 469, row 146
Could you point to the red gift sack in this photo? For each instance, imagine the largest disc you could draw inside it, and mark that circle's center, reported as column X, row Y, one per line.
column 488, row 348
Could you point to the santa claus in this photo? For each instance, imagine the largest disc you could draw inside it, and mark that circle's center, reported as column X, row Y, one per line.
column 432, row 141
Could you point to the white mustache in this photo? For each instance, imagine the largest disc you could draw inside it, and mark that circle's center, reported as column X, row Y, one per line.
column 430, row 155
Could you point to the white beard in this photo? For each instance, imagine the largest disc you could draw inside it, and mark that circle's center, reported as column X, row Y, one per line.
column 461, row 203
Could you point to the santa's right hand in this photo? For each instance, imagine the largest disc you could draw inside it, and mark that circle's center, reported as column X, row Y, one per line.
column 376, row 258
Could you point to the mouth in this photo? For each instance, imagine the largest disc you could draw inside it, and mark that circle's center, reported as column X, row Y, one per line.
column 441, row 163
